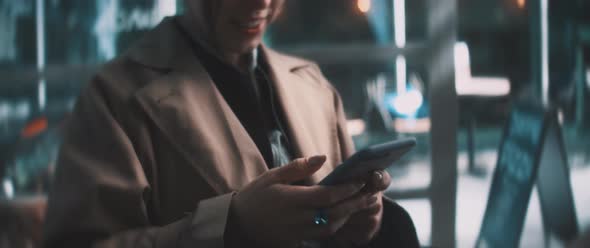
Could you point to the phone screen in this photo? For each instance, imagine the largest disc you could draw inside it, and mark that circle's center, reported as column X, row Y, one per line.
column 377, row 157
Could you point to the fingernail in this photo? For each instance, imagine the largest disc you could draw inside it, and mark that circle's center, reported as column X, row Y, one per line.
column 316, row 160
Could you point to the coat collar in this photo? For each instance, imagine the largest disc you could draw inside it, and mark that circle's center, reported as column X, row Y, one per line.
column 161, row 48
column 292, row 92
column 186, row 105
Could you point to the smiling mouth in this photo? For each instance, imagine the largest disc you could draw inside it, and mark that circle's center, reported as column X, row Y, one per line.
column 252, row 26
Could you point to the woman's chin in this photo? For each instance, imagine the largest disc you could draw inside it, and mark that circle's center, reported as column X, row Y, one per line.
column 246, row 48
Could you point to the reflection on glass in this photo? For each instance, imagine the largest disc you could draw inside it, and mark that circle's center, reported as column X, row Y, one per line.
column 29, row 171
column 57, row 36
column 48, row 49
column 16, row 27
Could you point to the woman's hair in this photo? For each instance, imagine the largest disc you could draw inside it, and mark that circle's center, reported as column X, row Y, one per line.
column 277, row 8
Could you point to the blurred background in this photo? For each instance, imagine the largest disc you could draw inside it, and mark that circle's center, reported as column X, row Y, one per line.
column 447, row 72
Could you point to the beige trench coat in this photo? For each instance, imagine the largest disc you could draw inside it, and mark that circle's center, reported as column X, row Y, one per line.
column 153, row 152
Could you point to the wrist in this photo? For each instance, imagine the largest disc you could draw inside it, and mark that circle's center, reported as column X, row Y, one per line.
column 234, row 235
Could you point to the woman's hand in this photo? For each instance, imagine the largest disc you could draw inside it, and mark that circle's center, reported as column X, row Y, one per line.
column 274, row 213
column 363, row 226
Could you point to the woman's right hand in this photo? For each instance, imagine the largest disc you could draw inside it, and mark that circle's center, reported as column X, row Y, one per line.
column 274, row 213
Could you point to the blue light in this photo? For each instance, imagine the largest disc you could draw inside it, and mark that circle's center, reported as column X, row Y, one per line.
column 406, row 104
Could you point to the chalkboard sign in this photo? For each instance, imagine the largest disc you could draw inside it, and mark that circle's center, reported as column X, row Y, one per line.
column 524, row 147
column 555, row 194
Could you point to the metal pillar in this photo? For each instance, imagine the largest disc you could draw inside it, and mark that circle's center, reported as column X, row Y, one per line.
column 442, row 35
column 40, row 31
column 539, row 33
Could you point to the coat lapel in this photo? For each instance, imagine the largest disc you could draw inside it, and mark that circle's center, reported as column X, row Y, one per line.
column 299, row 98
column 188, row 108
column 190, row 111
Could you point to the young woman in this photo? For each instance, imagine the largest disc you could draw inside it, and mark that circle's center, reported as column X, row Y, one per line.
column 200, row 136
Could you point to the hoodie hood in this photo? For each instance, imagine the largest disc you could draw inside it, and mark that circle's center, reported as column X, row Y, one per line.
column 199, row 20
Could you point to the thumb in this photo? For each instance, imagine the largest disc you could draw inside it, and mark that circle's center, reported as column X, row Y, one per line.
column 298, row 169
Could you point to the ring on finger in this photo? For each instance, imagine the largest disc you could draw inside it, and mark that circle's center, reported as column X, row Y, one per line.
column 379, row 175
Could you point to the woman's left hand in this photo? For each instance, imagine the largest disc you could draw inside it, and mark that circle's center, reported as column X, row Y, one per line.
column 363, row 226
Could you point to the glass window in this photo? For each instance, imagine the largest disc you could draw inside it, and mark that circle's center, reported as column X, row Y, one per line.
column 48, row 51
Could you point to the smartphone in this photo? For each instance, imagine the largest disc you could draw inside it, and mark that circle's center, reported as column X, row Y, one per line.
column 376, row 157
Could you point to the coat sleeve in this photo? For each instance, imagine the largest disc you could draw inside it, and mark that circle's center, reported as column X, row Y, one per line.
column 397, row 228
column 100, row 193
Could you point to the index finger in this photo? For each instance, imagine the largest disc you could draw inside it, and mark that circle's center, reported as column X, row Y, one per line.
column 320, row 196
column 296, row 170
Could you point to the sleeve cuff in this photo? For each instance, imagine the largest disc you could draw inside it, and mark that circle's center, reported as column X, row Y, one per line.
column 209, row 221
